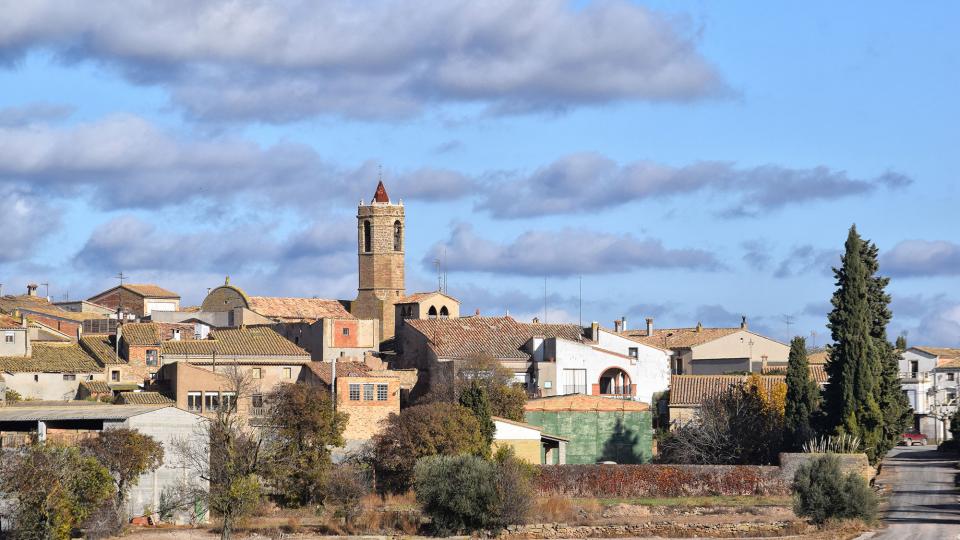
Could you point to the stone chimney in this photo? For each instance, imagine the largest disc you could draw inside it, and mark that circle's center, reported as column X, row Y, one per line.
column 536, row 320
column 623, row 324
column 649, row 326
column 743, row 322
column 594, row 330
column 32, row 289
column 617, row 325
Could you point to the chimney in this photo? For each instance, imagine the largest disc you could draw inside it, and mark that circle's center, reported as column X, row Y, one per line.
column 699, row 326
column 616, row 325
column 594, row 330
column 623, row 323
column 536, row 320
column 743, row 322
column 32, row 289
column 477, row 312
column 79, row 332
column 649, row 326
column 23, row 320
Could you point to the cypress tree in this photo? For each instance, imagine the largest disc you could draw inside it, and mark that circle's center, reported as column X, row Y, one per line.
column 474, row 397
column 901, row 343
column 897, row 414
column 855, row 368
column 803, row 396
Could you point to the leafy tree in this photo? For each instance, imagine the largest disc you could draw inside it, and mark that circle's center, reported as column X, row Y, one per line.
column 737, row 427
column 459, row 493
column 474, row 398
column 955, row 427
column 423, row 430
column 302, row 427
column 803, row 397
column 855, row 369
column 822, row 492
column 126, row 454
column 507, row 398
column 53, row 490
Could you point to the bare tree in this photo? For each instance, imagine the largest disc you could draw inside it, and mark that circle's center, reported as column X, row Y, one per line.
column 228, row 457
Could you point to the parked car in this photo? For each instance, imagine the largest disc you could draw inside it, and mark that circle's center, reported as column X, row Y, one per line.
column 913, row 439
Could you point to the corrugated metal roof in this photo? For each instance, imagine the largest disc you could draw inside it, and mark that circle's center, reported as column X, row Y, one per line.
column 89, row 412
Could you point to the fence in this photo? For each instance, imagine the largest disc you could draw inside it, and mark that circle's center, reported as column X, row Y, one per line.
column 660, row 480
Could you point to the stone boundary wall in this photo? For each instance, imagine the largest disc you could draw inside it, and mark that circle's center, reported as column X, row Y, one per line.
column 790, row 462
column 660, row 480
column 659, row 529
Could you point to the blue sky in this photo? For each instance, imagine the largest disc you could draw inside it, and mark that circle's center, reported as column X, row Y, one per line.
column 692, row 161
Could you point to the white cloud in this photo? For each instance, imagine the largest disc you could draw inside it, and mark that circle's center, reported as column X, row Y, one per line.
column 916, row 258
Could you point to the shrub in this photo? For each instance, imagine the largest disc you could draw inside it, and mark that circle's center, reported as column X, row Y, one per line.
column 822, row 492
column 346, row 487
column 514, row 487
column 459, row 493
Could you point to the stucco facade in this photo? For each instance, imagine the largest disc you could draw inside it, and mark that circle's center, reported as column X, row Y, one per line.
column 326, row 339
column 427, row 305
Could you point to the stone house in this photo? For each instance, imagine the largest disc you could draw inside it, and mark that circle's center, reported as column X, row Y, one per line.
column 598, row 429
column 134, row 354
column 15, row 340
column 711, row 351
column 40, row 309
column 52, row 371
column 140, row 300
column 70, row 423
column 425, row 305
column 368, row 396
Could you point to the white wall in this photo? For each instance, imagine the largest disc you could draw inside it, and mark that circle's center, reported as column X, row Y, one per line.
column 47, row 386
column 166, row 425
column 513, row 432
column 925, row 362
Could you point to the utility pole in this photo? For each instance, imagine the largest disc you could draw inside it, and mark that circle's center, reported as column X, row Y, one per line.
column 46, row 290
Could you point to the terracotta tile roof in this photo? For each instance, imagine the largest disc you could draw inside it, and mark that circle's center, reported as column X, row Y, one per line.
column 323, row 371
column 52, row 358
column 581, row 402
column 256, row 341
column 140, row 334
column 948, row 364
column 96, row 387
column 148, row 290
column 819, row 357
column 40, row 305
column 420, row 296
column 274, row 307
column 691, row 390
column 679, row 338
column 817, row 371
column 143, row 398
column 501, row 337
column 941, row 352
column 100, row 346
column 380, row 195
column 9, row 323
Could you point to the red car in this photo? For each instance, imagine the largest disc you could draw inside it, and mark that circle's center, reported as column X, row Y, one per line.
column 913, row 439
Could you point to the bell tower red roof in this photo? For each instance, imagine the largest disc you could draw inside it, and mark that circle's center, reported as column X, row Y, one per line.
column 380, row 195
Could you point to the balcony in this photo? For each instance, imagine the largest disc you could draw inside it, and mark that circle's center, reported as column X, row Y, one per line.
column 618, row 392
column 914, row 376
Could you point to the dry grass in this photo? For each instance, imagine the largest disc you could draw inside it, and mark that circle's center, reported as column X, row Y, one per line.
column 565, row 510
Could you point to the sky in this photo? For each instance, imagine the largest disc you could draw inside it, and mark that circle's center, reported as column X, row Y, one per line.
column 573, row 161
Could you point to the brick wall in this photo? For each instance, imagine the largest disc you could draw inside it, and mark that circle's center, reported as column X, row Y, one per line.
column 67, row 327
column 112, row 299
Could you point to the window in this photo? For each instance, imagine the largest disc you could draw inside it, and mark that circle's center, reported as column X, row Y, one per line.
column 256, row 401
column 229, row 401
column 574, row 381
column 256, row 373
column 9, row 337
column 381, row 392
column 194, row 403
column 211, row 401
column 36, row 377
column 346, row 331
column 287, row 373
column 397, row 235
column 69, row 376
column 368, row 392
column 151, row 357
column 367, row 234
column 444, row 313
column 176, row 334
column 354, row 392
column 951, row 376
column 89, row 377
column 633, row 352
column 432, row 313
column 115, row 375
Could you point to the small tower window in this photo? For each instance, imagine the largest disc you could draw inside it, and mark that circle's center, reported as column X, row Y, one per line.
column 444, row 314
column 432, row 313
column 397, row 236
column 367, row 236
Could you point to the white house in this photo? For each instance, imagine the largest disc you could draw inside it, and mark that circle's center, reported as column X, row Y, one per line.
column 929, row 377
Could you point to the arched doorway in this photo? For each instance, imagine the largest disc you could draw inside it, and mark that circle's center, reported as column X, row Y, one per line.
column 615, row 382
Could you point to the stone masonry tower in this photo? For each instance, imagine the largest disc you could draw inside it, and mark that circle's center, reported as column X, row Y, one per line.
column 380, row 246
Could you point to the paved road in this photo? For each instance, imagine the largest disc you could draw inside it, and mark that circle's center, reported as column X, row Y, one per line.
column 923, row 498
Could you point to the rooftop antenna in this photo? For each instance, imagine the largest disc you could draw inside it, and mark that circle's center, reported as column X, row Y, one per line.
column 121, row 277
column 380, row 172
column 436, row 264
column 444, row 269
column 46, row 290
column 787, row 320
column 813, row 339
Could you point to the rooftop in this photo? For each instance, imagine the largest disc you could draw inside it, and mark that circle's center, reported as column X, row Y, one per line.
column 420, row 296
column 940, row 352
column 679, row 338
column 73, row 411
column 145, row 290
column 143, row 398
column 257, row 341
column 324, row 370
column 582, row 402
column 9, row 323
column 42, row 306
column 691, row 390
column 52, row 358
column 501, row 337
column 275, row 307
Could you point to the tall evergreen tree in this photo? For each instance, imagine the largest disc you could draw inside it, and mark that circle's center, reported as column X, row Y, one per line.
column 855, row 368
column 803, row 396
column 901, row 343
column 897, row 414
column 474, row 397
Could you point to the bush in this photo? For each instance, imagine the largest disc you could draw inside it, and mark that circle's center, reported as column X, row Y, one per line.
column 514, row 487
column 822, row 492
column 459, row 493
column 346, row 487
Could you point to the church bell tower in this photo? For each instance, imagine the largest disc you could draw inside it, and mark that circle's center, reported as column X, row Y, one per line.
column 380, row 245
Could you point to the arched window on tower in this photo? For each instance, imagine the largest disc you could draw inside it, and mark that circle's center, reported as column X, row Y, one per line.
column 444, row 313
column 367, row 236
column 432, row 313
column 397, row 236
